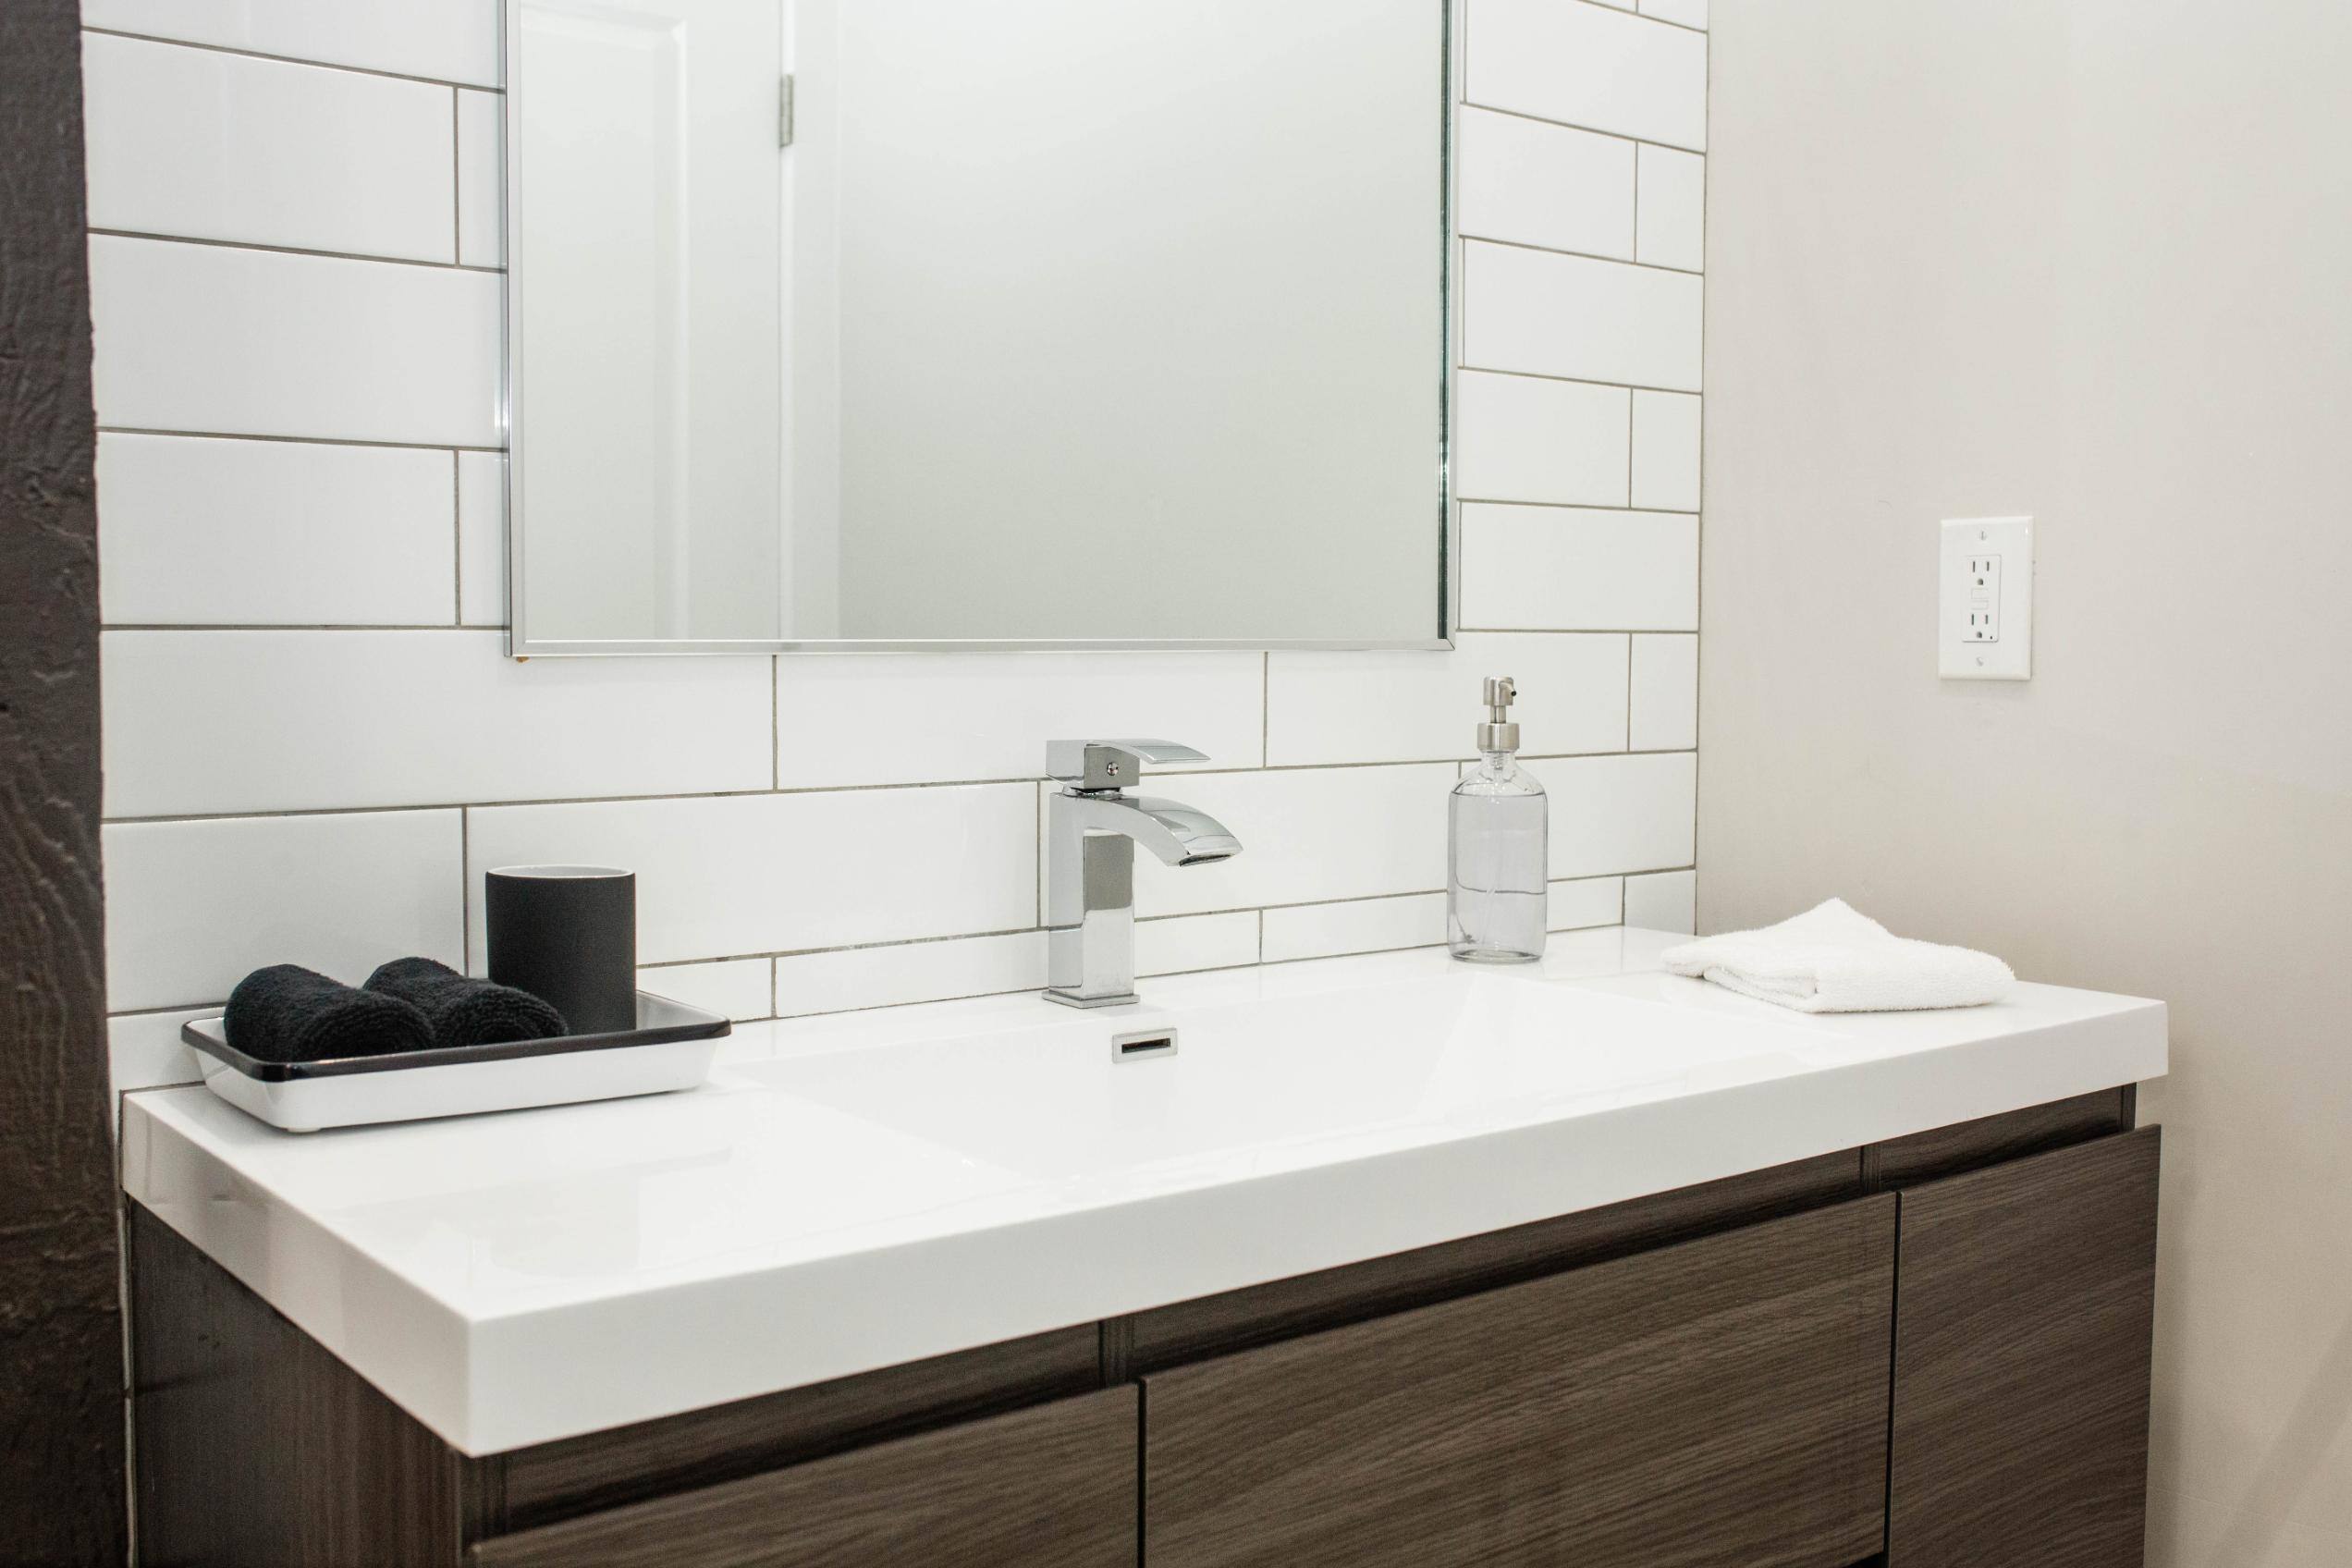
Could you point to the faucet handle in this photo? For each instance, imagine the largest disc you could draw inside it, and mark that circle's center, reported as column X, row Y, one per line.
column 1111, row 765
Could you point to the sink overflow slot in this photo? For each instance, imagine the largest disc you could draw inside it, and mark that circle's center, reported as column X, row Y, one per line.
column 1151, row 1042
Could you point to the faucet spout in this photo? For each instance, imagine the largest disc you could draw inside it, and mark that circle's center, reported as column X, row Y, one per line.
column 1178, row 834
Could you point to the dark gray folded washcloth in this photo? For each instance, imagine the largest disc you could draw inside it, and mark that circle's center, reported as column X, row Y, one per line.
column 289, row 1013
column 463, row 1010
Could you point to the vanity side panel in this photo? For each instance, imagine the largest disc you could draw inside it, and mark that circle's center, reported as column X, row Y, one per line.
column 1053, row 1487
column 1989, row 1140
column 1281, row 1309
column 255, row 1446
column 527, row 1487
column 2024, row 1316
column 1723, row 1401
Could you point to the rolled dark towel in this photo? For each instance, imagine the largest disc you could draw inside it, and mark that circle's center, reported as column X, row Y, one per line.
column 289, row 1013
column 463, row 1010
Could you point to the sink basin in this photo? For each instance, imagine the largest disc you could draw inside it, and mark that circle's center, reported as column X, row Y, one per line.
column 1270, row 1083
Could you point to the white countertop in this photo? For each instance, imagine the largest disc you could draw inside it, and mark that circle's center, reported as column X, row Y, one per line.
column 855, row 1191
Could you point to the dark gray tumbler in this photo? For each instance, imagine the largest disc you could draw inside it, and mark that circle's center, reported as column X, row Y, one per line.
column 568, row 934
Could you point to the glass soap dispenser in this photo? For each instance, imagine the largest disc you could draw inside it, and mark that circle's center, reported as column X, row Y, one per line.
column 1495, row 847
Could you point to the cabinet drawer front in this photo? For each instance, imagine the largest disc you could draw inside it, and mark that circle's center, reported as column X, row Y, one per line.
column 2024, row 1320
column 1049, row 1488
column 1720, row 1402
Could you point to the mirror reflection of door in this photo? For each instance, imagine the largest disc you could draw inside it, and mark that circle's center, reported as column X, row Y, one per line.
column 1044, row 321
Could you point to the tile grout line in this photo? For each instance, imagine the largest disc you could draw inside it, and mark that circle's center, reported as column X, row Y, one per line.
column 310, row 440
column 816, row 790
column 1579, row 255
column 457, row 181
column 1469, row 102
column 259, row 248
column 285, row 59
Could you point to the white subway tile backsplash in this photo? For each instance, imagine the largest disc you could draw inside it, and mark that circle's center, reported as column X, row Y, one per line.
column 445, row 40
column 317, row 488
column 1568, row 569
column 1526, row 438
column 1190, row 942
column 481, row 197
column 1308, row 834
column 220, row 146
column 1358, row 706
column 1567, row 60
column 1666, row 901
column 990, row 715
column 906, row 973
column 1546, row 314
column 723, row 876
column 145, row 1050
column 1666, row 451
column 214, row 338
column 1674, row 209
column 1537, row 184
column 1665, row 693
column 1689, row 13
column 205, row 531
column 482, row 538
column 192, row 907
column 1612, row 814
column 743, row 988
column 1360, row 925
column 1584, row 902
column 205, row 722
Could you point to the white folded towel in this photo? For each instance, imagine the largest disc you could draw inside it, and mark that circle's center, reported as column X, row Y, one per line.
column 1833, row 959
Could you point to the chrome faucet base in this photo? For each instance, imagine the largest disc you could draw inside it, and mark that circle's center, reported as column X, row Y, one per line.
column 1072, row 999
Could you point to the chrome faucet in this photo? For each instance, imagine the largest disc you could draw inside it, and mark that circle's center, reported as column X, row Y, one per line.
column 1092, row 828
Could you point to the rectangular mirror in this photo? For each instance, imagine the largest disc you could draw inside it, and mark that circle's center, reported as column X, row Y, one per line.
column 842, row 323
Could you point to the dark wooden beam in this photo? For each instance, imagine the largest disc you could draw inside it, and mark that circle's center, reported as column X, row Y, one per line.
column 61, row 1410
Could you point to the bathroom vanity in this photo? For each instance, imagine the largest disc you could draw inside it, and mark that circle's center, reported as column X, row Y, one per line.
column 1383, row 1262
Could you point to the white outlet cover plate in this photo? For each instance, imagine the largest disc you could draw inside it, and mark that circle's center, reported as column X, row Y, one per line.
column 1963, row 602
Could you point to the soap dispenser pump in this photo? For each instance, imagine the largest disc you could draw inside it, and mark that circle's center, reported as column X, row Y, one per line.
column 1496, row 848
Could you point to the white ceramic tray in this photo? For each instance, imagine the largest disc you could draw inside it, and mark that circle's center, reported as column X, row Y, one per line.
column 671, row 1049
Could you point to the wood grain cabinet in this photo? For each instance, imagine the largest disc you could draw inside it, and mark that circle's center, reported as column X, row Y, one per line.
column 1928, row 1352
column 1721, row 1402
column 2022, row 1321
column 1048, row 1488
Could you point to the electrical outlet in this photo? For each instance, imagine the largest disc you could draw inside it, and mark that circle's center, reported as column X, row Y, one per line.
column 1984, row 621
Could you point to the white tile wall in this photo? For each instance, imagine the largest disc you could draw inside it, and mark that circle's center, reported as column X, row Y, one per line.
column 201, row 532
column 990, row 715
column 1689, row 13
column 437, row 719
column 1672, row 228
column 1573, row 62
column 302, row 481
column 1546, row 314
column 730, row 875
column 1567, row 569
column 1665, row 693
column 442, row 40
column 1534, row 183
column 1664, row 902
column 196, row 141
column 482, row 538
column 1526, row 438
column 741, row 988
column 1666, row 451
column 214, row 338
column 482, row 205
column 191, row 907
column 1334, row 707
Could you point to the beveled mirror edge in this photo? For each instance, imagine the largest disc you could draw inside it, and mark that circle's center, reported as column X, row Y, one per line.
column 520, row 644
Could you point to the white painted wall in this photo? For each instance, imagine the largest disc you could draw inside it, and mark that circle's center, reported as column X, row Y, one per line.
column 313, row 745
column 2089, row 260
